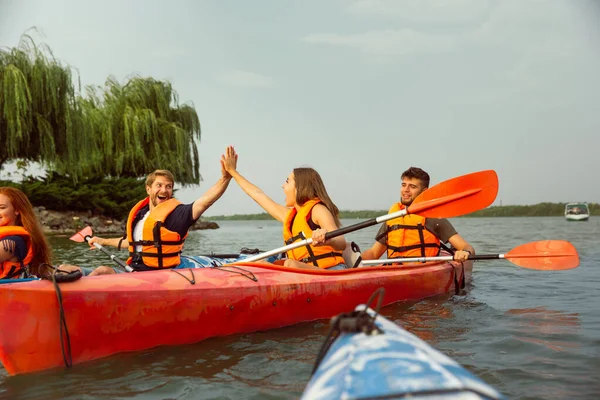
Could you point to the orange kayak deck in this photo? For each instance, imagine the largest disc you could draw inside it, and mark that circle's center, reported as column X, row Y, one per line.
column 111, row 314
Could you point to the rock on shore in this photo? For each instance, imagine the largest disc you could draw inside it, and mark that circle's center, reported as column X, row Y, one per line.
column 70, row 222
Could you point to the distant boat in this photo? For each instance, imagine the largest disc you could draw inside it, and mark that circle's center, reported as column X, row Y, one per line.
column 577, row 212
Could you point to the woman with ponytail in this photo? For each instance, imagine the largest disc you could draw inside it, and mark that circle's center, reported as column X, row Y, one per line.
column 308, row 213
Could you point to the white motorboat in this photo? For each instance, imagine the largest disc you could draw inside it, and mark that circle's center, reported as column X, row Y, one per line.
column 577, row 212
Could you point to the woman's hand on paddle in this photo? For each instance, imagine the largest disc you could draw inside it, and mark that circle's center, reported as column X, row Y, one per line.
column 229, row 161
column 318, row 237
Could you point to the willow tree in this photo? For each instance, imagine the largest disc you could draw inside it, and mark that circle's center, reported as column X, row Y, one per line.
column 36, row 101
column 136, row 128
column 117, row 130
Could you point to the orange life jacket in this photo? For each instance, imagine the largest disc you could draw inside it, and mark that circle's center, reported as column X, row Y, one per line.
column 14, row 269
column 407, row 236
column 161, row 248
column 296, row 227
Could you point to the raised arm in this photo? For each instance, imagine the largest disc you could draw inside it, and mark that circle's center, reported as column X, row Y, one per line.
column 229, row 162
column 214, row 193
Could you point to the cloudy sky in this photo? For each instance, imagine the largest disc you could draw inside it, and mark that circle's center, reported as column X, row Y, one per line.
column 359, row 90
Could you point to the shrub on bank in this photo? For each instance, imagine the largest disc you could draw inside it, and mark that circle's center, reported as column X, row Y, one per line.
column 109, row 197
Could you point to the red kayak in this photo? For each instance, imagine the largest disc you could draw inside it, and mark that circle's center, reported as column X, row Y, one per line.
column 110, row 314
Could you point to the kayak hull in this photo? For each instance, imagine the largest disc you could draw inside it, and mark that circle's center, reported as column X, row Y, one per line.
column 391, row 364
column 110, row 314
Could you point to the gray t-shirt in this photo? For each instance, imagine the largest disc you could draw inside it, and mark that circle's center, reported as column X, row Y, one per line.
column 440, row 227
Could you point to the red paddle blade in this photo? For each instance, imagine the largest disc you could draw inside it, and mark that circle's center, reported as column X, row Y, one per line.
column 457, row 196
column 80, row 236
column 546, row 255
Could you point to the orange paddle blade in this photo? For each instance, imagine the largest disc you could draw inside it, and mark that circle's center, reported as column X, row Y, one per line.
column 457, row 196
column 546, row 255
column 80, row 236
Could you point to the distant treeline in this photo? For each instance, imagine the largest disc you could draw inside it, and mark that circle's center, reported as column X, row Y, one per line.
column 535, row 210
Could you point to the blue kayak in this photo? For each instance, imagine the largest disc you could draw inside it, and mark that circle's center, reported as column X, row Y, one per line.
column 390, row 363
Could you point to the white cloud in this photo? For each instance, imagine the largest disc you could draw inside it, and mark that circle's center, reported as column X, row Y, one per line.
column 388, row 42
column 246, row 79
column 421, row 10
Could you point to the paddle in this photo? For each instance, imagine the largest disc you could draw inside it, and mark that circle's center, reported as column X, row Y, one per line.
column 85, row 235
column 545, row 255
column 457, row 196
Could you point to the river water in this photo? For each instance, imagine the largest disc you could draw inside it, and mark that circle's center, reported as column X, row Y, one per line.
column 531, row 334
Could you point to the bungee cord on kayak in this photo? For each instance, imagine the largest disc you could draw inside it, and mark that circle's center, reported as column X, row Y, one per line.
column 358, row 321
column 59, row 276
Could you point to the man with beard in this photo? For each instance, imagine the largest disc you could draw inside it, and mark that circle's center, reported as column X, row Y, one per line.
column 413, row 235
column 158, row 225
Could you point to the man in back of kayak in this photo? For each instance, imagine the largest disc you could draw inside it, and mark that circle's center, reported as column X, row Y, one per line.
column 413, row 235
column 158, row 225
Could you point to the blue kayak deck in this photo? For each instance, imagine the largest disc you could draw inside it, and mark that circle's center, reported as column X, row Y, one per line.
column 393, row 364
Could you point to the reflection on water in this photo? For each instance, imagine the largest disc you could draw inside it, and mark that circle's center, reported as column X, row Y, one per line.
column 547, row 321
column 542, row 333
column 422, row 318
column 542, row 326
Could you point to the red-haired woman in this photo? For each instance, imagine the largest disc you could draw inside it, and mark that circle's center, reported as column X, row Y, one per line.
column 24, row 250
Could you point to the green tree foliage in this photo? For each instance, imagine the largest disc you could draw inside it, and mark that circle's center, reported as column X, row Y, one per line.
column 118, row 130
column 535, row 210
column 111, row 197
column 241, row 217
column 36, row 101
column 136, row 128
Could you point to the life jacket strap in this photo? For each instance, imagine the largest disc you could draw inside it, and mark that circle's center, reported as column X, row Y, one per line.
column 320, row 257
column 15, row 272
column 402, row 249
